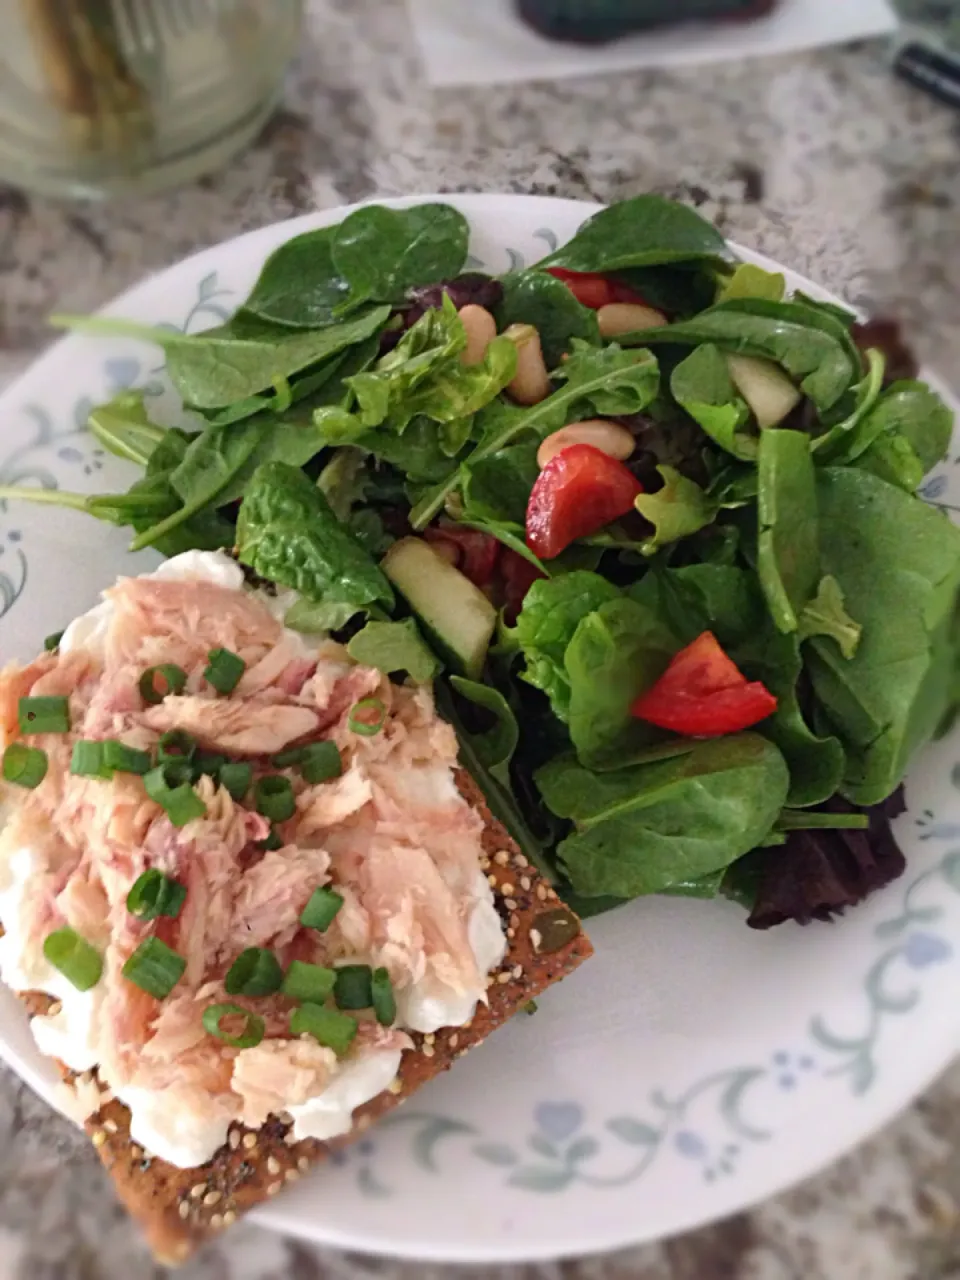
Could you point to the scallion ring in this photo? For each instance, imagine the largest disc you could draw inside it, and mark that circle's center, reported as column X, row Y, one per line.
column 157, row 682
column 155, row 968
column 177, row 745
column 87, row 760
column 235, row 777
column 79, row 962
column 310, row 982
column 179, row 802
column 352, row 989
column 44, row 715
column 52, row 642
column 24, row 766
column 255, row 972
column 383, row 1000
column 273, row 797
column 225, row 670
column 321, row 910
column 155, row 894
column 248, row 1038
column 117, row 757
column 367, row 717
column 333, row 1030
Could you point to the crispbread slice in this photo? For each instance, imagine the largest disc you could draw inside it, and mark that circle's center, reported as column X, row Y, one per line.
column 180, row 1208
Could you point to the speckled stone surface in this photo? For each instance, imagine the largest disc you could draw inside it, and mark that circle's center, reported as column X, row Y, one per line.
column 821, row 160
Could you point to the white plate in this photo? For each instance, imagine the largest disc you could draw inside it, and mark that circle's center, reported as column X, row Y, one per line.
column 694, row 1066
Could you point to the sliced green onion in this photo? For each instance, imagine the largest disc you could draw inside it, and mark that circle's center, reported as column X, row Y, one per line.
column 155, row 968
column 255, row 972
column 270, row 842
column 236, row 778
column 87, row 760
column 44, row 715
column 321, row 762
column 333, row 1030
column 52, row 642
column 311, row 982
column 155, row 894
column 179, row 801
column 367, row 716
column 225, row 670
column 119, row 758
column 352, row 989
column 320, row 912
column 79, row 962
column 273, row 797
column 157, row 682
column 26, row 766
column 176, row 745
column 383, row 1000
column 253, row 1027
column 210, row 763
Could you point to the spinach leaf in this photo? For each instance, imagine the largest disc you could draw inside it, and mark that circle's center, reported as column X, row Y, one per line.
column 897, row 562
column 646, row 231
column 287, row 532
column 642, row 829
column 825, row 615
column 534, row 297
column 210, row 463
column 498, row 487
column 239, row 359
column 680, row 508
column 124, row 429
column 607, row 381
column 287, row 394
column 616, row 652
column 788, row 557
column 313, row 617
column 343, row 481
column 395, row 646
column 701, row 384
column 299, row 284
column 419, row 452
column 487, row 755
column 384, row 252
column 855, row 406
column 678, row 291
column 905, row 434
column 749, row 281
column 788, row 333
column 551, row 613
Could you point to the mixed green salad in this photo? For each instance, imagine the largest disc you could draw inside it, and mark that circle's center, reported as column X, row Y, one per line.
column 648, row 522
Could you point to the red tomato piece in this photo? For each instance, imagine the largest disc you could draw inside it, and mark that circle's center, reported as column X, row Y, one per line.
column 623, row 293
column 477, row 552
column 579, row 491
column 703, row 694
column 594, row 291
column 519, row 575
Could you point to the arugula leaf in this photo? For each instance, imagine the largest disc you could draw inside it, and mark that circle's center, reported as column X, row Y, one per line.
column 313, row 617
column 680, row 508
column 424, row 377
column 384, row 252
column 788, row 557
column 897, row 562
column 616, row 651
column 486, row 755
column 646, row 231
column 701, row 384
column 287, row 532
column 299, row 285
column 552, row 610
column 395, row 646
column 608, row 381
column 749, row 281
column 642, row 829
column 343, row 481
column 123, row 427
column 789, row 333
column 218, row 367
column 825, row 615
column 534, row 297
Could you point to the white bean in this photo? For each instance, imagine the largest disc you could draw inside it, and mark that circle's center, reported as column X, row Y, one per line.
column 626, row 317
column 608, row 437
column 532, row 382
column 481, row 329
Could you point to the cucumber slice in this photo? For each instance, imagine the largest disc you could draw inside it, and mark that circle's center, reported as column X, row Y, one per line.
column 765, row 387
column 455, row 615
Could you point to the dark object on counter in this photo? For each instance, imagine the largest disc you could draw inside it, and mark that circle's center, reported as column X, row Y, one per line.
column 886, row 335
column 599, row 21
column 816, row 875
column 935, row 70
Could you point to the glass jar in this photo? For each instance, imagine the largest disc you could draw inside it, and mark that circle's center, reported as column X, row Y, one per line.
column 102, row 97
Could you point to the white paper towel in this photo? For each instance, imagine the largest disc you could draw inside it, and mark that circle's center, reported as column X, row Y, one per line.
column 483, row 41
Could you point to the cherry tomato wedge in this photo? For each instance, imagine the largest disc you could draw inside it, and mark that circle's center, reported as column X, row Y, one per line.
column 592, row 290
column 477, row 552
column 702, row 694
column 595, row 291
column 579, row 491
column 518, row 575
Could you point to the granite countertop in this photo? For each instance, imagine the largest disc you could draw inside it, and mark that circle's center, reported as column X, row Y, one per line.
column 822, row 160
